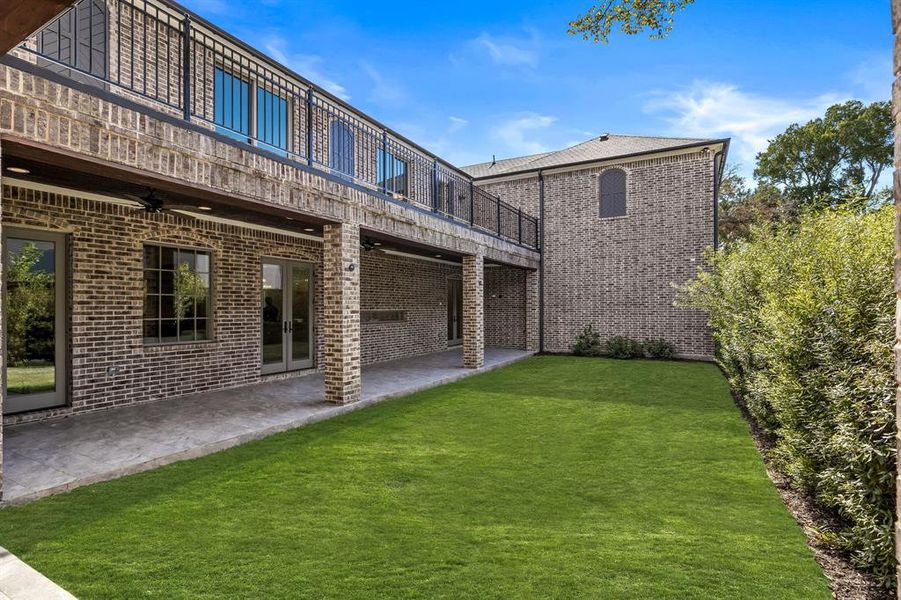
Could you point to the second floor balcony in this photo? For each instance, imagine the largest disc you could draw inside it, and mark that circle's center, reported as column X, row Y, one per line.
column 162, row 56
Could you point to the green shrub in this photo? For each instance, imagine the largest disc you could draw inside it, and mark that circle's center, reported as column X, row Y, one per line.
column 623, row 347
column 803, row 318
column 659, row 349
column 587, row 343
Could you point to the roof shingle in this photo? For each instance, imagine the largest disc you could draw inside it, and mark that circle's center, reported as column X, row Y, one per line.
column 600, row 148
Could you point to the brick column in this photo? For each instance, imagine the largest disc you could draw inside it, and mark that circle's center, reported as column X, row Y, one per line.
column 896, row 111
column 532, row 307
column 473, row 311
column 341, row 312
column 2, row 334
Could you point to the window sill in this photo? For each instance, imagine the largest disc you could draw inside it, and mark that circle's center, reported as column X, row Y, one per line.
column 164, row 346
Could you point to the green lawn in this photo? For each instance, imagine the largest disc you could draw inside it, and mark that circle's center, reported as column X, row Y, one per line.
column 554, row 478
column 25, row 380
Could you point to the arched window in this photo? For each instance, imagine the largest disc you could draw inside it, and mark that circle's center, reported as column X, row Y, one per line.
column 341, row 148
column 78, row 38
column 612, row 193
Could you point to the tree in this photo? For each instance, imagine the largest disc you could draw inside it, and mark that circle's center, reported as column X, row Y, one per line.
column 742, row 207
column 29, row 307
column 632, row 16
column 190, row 289
column 834, row 160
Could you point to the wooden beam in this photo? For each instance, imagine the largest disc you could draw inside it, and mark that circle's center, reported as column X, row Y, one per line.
column 20, row 18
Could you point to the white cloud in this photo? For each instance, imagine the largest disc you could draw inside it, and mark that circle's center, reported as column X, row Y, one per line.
column 456, row 124
column 716, row 109
column 308, row 65
column 509, row 52
column 518, row 133
column 383, row 91
column 873, row 78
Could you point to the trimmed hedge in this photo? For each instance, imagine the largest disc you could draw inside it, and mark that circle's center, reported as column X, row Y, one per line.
column 623, row 347
column 803, row 317
column 588, row 343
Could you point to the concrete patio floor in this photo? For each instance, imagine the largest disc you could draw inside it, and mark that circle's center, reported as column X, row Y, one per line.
column 49, row 457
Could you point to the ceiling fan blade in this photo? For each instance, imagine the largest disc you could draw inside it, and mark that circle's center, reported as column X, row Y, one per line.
column 135, row 198
column 183, row 213
column 170, row 206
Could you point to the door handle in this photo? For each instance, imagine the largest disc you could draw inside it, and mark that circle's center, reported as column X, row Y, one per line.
column 285, row 326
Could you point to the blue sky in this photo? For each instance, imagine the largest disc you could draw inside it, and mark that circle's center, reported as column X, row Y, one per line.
column 471, row 79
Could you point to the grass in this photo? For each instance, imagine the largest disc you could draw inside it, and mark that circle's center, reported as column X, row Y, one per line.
column 25, row 380
column 556, row 477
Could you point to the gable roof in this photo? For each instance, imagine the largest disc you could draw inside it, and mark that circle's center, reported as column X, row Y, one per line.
column 603, row 147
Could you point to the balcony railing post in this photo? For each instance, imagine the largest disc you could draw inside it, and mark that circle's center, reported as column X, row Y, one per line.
column 472, row 204
column 435, row 184
column 519, row 222
column 498, row 230
column 186, row 66
column 310, row 126
column 384, row 161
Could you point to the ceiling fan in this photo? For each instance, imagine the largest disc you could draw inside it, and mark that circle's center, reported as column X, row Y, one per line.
column 368, row 244
column 151, row 203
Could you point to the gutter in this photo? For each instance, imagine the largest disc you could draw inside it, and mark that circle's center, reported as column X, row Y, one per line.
column 718, row 170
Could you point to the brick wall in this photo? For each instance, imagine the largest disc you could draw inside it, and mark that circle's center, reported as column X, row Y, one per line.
column 417, row 287
column 105, row 243
column 618, row 273
column 80, row 123
column 505, row 307
column 106, row 298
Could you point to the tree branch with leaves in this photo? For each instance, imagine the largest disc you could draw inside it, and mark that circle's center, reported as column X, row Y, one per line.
column 632, row 17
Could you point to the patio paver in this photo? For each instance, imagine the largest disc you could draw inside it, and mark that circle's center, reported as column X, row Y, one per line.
column 54, row 456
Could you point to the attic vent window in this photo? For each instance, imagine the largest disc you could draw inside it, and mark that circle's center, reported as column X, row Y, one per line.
column 612, row 193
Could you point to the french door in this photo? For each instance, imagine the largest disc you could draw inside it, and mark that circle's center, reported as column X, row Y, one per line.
column 35, row 319
column 287, row 316
column 454, row 312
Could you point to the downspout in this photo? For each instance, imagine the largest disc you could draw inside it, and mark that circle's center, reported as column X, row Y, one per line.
column 718, row 167
column 541, row 262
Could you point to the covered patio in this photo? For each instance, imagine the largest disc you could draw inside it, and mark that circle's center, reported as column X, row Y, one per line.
column 49, row 457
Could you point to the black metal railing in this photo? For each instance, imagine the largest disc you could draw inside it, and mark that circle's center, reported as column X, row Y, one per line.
column 160, row 52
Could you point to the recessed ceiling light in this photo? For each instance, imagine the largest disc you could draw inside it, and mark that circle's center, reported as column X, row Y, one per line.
column 376, row 243
column 308, row 229
column 18, row 170
column 204, row 208
column 290, row 218
column 438, row 256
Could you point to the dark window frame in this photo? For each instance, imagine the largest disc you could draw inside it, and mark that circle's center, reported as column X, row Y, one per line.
column 342, row 162
column 154, row 297
column 387, row 176
column 73, row 63
column 613, row 202
column 223, row 99
column 255, row 127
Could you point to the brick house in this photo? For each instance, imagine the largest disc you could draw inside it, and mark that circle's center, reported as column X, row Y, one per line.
column 182, row 214
column 624, row 217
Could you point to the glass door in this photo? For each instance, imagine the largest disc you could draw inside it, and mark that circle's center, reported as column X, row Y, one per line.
column 287, row 315
column 34, row 311
column 300, row 328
